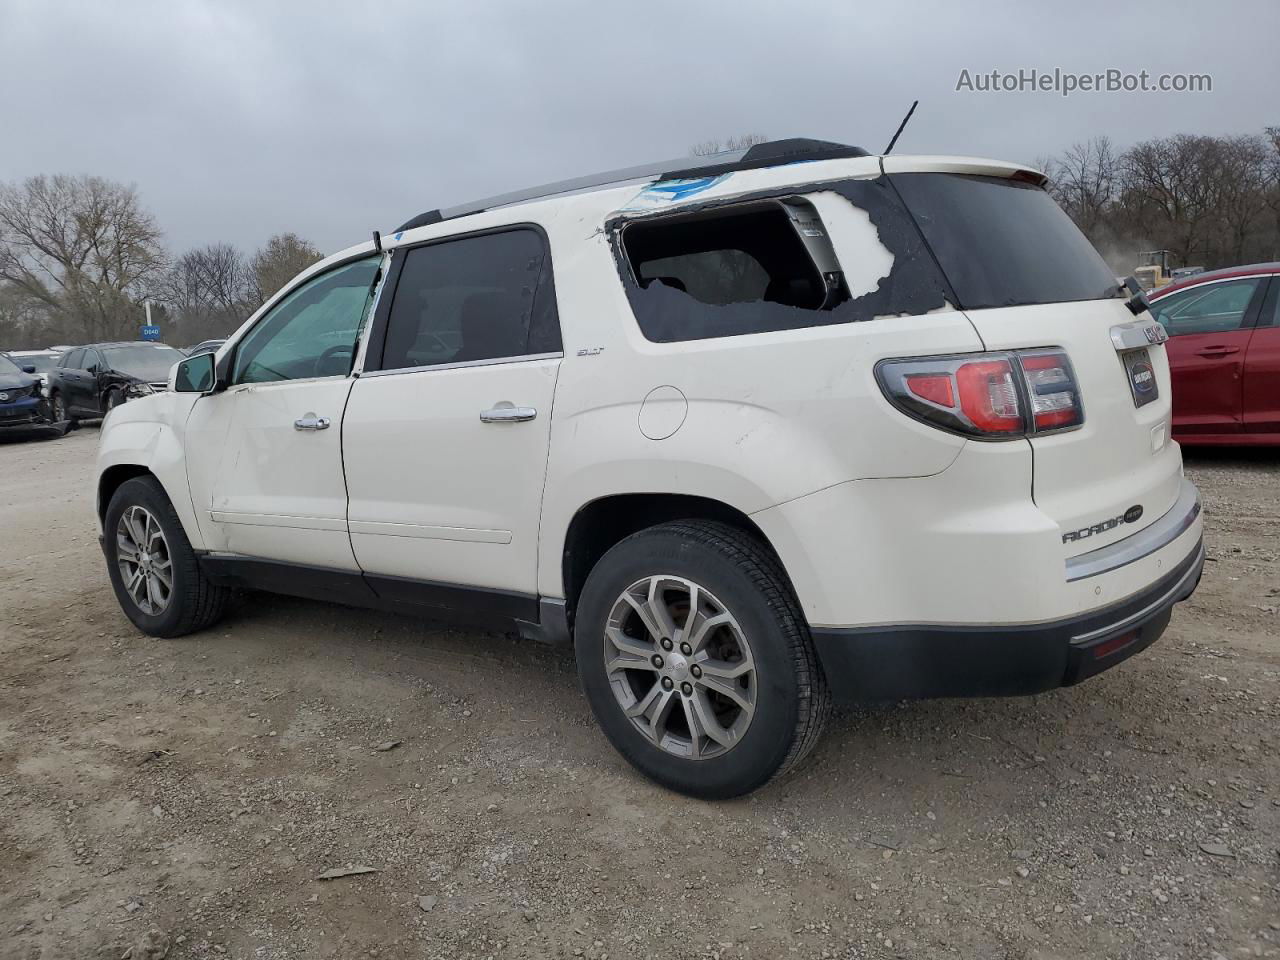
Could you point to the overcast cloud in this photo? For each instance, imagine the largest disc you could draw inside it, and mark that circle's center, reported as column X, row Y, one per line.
column 238, row 120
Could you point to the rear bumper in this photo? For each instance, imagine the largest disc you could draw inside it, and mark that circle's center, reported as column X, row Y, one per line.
column 888, row 663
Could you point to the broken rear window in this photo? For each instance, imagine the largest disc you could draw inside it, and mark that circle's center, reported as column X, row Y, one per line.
column 769, row 264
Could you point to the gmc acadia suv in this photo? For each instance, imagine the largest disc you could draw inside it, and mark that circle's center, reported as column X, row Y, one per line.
column 793, row 424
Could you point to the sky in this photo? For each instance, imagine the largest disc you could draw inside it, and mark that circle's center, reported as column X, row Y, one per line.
column 236, row 120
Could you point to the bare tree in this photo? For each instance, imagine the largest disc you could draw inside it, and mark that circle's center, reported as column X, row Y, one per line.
column 210, row 290
column 283, row 258
column 1170, row 195
column 741, row 142
column 81, row 246
column 1083, row 181
column 1243, row 178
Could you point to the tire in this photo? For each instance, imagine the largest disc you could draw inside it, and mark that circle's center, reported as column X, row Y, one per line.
column 735, row 574
column 192, row 601
column 113, row 399
column 60, row 412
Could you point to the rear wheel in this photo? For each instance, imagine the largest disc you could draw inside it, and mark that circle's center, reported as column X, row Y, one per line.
column 696, row 660
column 153, row 569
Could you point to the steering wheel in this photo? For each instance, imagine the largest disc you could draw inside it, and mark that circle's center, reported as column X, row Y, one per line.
column 331, row 352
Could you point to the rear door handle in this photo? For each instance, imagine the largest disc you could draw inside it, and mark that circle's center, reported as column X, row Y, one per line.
column 311, row 422
column 1220, row 350
column 507, row 412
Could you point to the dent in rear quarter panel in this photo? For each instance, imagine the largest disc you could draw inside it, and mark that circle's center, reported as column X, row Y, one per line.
column 139, row 433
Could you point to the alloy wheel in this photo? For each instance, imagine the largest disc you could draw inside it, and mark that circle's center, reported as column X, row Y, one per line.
column 142, row 553
column 680, row 667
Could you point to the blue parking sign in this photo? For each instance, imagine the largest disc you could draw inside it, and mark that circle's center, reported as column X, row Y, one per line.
column 150, row 333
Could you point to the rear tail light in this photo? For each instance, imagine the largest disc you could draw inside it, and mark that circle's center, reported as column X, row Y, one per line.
column 992, row 396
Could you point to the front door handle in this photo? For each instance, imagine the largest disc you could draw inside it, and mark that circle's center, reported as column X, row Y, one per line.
column 311, row 422
column 1218, row 350
column 507, row 412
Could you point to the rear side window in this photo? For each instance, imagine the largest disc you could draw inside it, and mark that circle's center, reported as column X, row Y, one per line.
column 738, row 255
column 483, row 297
column 71, row 359
column 1003, row 243
column 769, row 264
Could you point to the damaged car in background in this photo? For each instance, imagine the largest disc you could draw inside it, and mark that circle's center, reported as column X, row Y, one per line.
column 23, row 404
column 89, row 381
column 754, row 432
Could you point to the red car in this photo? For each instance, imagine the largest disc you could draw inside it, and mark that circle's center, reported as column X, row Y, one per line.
column 1224, row 354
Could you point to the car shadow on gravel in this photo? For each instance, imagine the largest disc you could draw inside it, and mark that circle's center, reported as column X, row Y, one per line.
column 1230, row 456
column 25, row 435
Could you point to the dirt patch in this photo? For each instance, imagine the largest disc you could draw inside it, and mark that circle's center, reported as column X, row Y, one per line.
column 201, row 786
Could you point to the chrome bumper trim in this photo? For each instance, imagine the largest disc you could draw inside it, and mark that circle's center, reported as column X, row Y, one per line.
column 1179, row 591
column 1176, row 521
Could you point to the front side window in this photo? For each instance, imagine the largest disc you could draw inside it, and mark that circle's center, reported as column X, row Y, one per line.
column 1209, row 308
column 313, row 331
column 484, row 297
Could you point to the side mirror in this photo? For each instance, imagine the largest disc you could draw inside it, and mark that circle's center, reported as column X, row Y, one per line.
column 28, row 368
column 194, row 374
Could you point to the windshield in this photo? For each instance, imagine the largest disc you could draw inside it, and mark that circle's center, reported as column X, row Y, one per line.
column 1003, row 243
column 43, row 362
column 150, row 362
column 8, row 366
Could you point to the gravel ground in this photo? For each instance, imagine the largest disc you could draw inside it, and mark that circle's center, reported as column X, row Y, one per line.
column 188, row 795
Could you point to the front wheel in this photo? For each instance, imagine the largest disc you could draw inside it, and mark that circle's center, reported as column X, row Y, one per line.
column 153, row 569
column 61, row 414
column 696, row 660
column 114, row 399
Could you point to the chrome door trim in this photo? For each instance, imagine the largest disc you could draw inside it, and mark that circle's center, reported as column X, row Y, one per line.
column 464, row 364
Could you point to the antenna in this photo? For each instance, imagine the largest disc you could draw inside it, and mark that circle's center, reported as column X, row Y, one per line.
column 902, row 126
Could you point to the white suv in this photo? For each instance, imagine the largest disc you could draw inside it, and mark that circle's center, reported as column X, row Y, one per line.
column 794, row 424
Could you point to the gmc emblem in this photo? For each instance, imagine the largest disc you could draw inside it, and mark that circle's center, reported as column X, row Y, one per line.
column 1155, row 333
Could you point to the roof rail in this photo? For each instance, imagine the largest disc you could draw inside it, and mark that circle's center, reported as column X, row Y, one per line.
column 772, row 153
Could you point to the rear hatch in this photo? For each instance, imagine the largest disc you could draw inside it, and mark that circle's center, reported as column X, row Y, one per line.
column 1027, row 278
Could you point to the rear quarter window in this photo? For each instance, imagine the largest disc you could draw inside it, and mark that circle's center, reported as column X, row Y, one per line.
column 768, row 264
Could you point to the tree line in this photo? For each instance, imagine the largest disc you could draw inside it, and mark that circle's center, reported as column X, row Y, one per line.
column 79, row 256
column 1210, row 201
